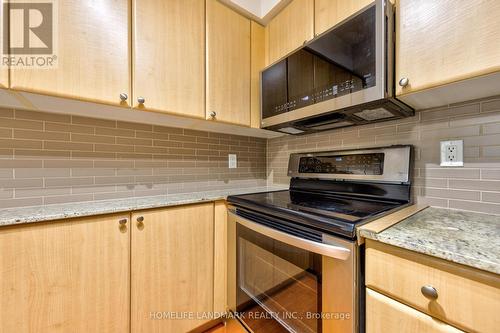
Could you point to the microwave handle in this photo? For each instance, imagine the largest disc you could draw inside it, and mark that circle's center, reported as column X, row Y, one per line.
column 328, row 250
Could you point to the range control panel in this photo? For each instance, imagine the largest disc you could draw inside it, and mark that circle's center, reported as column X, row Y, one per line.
column 354, row 164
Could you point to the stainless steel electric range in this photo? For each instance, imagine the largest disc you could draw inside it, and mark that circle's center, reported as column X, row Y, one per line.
column 294, row 264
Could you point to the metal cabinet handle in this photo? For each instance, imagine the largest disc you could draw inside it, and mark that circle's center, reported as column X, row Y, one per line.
column 123, row 97
column 140, row 222
column 122, row 225
column 429, row 292
column 404, row 82
column 213, row 114
column 141, row 100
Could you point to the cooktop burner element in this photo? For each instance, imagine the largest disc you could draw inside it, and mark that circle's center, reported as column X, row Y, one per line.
column 329, row 199
column 316, row 204
column 326, row 212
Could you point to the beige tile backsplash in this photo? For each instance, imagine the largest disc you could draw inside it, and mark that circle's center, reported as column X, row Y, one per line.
column 50, row 158
column 475, row 187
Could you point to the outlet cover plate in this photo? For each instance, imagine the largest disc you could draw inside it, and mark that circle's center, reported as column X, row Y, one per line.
column 452, row 153
column 233, row 161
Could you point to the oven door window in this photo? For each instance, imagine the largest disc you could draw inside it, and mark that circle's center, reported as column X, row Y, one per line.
column 278, row 285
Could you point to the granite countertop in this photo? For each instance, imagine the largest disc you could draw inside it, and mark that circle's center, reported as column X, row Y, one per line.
column 21, row 215
column 467, row 238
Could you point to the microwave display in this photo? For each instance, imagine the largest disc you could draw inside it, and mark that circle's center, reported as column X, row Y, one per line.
column 340, row 62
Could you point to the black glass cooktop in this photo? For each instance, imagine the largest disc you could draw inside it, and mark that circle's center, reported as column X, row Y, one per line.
column 335, row 214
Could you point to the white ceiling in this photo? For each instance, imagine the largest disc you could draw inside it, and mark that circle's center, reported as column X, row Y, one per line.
column 261, row 11
column 259, row 8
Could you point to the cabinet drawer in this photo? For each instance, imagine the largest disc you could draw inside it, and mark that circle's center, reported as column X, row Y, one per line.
column 384, row 314
column 466, row 298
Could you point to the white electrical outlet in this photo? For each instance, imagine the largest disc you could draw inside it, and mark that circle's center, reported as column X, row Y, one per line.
column 452, row 153
column 233, row 162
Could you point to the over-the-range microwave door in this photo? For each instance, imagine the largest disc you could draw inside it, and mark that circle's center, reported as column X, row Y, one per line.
column 349, row 66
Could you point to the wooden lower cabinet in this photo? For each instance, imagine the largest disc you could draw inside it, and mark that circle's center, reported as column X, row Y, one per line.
column 172, row 265
column 384, row 314
column 69, row 276
column 466, row 298
column 152, row 273
column 220, row 257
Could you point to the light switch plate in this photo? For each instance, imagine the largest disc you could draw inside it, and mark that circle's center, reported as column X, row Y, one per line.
column 452, row 153
column 233, row 161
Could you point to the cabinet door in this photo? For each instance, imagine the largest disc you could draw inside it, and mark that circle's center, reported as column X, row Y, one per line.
column 169, row 56
column 172, row 267
column 70, row 276
column 228, row 69
column 467, row 298
column 93, row 54
column 440, row 42
column 328, row 13
column 290, row 28
column 384, row 314
column 220, row 256
column 258, row 62
column 4, row 70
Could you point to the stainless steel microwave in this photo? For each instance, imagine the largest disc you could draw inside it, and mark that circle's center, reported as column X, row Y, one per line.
column 343, row 77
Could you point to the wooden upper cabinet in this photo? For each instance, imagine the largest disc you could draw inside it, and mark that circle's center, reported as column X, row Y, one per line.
column 258, row 62
column 69, row 276
column 169, row 56
column 228, row 65
column 440, row 42
column 93, row 54
column 293, row 26
column 4, row 71
column 328, row 13
column 172, row 267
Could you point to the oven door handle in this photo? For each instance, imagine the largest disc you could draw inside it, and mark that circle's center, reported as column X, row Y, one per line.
column 328, row 250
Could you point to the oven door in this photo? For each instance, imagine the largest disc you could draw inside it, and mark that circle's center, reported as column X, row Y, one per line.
column 279, row 282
